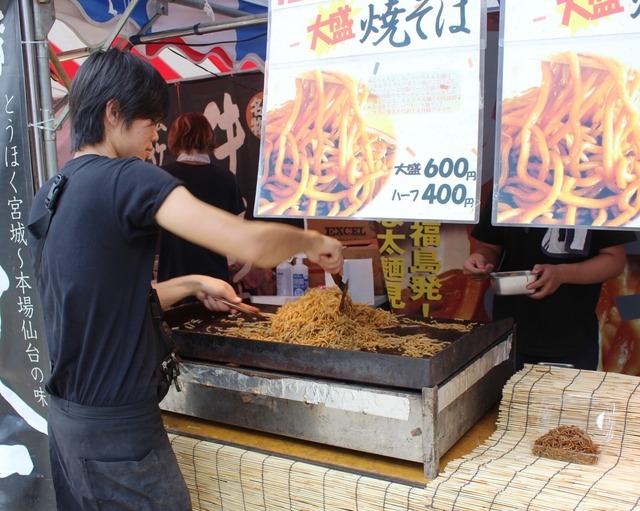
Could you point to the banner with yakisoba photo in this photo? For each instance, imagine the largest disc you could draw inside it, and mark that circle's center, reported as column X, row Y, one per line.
column 372, row 110
column 568, row 153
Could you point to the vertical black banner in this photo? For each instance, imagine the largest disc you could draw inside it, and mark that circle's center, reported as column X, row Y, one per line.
column 233, row 105
column 25, row 480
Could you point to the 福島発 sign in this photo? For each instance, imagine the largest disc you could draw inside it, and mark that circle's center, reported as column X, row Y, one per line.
column 568, row 114
column 372, row 110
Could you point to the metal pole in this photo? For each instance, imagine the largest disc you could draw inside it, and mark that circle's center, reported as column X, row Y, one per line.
column 121, row 23
column 199, row 4
column 37, row 19
column 202, row 28
column 32, row 92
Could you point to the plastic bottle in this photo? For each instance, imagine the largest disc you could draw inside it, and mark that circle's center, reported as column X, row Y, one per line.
column 284, row 278
column 300, row 276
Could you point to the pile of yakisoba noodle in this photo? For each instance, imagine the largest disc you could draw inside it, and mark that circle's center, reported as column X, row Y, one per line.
column 567, row 443
column 570, row 149
column 314, row 320
column 320, row 157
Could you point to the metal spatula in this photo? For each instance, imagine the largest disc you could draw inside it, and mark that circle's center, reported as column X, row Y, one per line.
column 344, row 288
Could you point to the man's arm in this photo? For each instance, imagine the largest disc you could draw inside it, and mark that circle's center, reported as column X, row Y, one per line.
column 264, row 244
column 205, row 288
column 607, row 264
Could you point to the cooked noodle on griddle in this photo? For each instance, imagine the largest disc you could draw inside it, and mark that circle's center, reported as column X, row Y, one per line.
column 314, row 320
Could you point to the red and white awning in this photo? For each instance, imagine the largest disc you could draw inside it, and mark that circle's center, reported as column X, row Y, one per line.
column 83, row 24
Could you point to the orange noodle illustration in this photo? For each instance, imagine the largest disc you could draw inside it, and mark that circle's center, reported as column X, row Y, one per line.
column 570, row 149
column 321, row 157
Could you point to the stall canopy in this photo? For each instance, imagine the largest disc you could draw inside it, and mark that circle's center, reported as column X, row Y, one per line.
column 184, row 39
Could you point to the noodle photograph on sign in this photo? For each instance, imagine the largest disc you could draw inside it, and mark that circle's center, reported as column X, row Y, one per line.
column 321, row 157
column 570, row 144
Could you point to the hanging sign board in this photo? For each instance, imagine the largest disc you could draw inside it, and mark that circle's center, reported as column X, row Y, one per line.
column 25, row 479
column 568, row 114
column 372, row 110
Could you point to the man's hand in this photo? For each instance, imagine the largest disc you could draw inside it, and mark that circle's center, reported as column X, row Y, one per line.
column 548, row 281
column 476, row 268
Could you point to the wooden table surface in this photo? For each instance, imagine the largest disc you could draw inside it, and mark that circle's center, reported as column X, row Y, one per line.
column 335, row 457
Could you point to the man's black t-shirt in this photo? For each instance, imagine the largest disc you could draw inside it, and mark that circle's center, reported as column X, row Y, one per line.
column 565, row 322
column 94, row 280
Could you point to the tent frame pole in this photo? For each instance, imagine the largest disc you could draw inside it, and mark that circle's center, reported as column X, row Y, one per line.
column 121, row 23
column 201, row 28
column 37, row 19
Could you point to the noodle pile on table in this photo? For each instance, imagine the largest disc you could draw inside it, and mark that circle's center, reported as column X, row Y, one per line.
column 314, row 320
column 503, row 474
column 567, row 443
column 321, row 158
column 571, row 146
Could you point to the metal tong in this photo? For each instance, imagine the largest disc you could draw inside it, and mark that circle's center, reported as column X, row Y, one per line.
column 243, row 307
column 344, row 288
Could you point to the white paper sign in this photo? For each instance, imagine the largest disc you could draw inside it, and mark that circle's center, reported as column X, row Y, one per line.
column 372, row 110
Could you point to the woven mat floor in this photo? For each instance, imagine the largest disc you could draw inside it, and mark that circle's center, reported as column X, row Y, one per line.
column 503, row 473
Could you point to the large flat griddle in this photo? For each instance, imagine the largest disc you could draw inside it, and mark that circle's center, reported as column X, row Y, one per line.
column 190, row 323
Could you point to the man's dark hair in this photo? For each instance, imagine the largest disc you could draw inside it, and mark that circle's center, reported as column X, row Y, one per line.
column 140, row 91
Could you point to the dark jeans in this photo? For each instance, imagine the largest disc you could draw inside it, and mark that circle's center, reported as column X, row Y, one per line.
column 587, row 359
column 113, row 459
